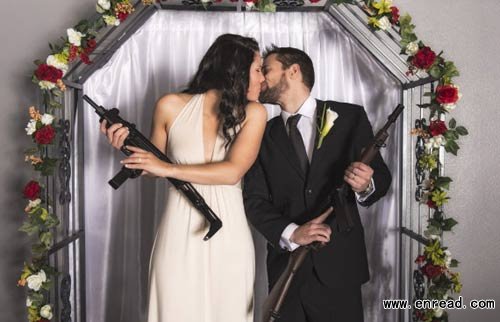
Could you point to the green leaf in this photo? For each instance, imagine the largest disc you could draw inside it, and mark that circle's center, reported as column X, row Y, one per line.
column 29, row 228
column 57, row 92
column 451, row 147
column 38, row 62
column 454, row 263
column 449, row 223
column 450, row 70
column 443, row 182
column 39, row 249
column 46, row 238
column 435, row 72
column 462, row 130
column 451, row 135
column 452, row 123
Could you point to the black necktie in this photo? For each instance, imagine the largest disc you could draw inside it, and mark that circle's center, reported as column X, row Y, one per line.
column 297, row 142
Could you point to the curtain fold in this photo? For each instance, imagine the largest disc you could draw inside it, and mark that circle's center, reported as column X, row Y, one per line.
column 160, row 58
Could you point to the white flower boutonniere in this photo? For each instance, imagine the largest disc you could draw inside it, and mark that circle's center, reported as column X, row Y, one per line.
column 327, row 120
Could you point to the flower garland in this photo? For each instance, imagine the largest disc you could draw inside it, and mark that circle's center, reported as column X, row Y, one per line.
column 80, row 42
column 436, row 261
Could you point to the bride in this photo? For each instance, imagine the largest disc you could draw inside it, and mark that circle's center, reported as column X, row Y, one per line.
column 212, row 132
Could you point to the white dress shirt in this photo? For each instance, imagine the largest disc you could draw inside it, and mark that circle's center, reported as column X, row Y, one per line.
column 307, row 129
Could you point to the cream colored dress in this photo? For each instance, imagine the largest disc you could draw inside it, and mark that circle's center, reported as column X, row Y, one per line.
column 192, row 280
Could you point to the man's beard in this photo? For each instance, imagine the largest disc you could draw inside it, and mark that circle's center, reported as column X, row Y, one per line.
column 271, row 95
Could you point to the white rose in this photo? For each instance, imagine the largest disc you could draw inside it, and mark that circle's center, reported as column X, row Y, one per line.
column 438, row 312
column 384, row 23
column 411, row 48
column 46, row 312
column 447, row 258
column 53, row 61
column 30, row 127
column 206, row 1
column 104, row 4
column 434, row 237
column 449, row 107
column 47, row 119
column 28, row 302
column 111, row 20
column 34, row 203
column 46, row 85
column 249, row 5
column 74, row 37
column 35, row 281
column 435, row 142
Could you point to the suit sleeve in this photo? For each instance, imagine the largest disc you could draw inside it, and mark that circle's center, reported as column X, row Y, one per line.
column 259, row 208
column 363, row 136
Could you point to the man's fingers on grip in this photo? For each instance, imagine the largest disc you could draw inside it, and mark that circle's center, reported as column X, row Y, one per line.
column 323, row 216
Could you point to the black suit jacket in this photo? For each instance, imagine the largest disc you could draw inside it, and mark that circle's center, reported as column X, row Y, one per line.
column 277, row 193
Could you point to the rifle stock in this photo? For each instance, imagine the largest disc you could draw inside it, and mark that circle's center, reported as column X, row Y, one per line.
column 277, row 296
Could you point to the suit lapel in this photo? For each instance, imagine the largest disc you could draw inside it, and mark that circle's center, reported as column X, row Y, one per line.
column 279, row 136
column 317, row 153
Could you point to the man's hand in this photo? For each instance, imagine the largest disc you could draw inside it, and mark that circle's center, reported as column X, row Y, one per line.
column 358, row 175
column 313, row 230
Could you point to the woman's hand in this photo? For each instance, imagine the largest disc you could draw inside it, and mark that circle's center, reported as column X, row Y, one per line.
column 117, row 133
column 147, row 161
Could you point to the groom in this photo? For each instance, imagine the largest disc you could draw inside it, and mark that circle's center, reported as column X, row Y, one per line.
column 287, row 186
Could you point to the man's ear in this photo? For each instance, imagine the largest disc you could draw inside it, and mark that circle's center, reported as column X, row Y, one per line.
column 294, row 71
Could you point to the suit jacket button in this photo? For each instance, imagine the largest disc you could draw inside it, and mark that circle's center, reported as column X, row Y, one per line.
column 309, row 191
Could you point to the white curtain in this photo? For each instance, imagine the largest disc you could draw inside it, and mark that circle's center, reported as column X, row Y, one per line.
column 160, row 58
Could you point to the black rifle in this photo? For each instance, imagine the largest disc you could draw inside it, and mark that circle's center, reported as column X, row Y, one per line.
column 338, row 200
column 135, row 138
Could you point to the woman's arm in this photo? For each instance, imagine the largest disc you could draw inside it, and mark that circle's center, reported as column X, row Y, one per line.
column 241, row 156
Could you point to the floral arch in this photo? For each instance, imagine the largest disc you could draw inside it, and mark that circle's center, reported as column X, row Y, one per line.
column 429, row 90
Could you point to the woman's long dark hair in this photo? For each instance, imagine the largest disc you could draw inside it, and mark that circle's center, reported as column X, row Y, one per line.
column 226, row 67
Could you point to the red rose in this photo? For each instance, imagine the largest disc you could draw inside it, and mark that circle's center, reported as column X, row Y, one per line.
column 431, row 204
column 395, row 15
column 437, row 128
column 45, row 135
column 122, row 16
column 32, row 190
column 91, row 44
column 431, row 271
column 49, row 73
column 73, row 52
column 446, row 94
column 420, row 259
column 43, row 320
column 85, row 58
column 424, row 58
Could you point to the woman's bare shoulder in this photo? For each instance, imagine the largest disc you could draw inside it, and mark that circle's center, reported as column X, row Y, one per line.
column 173, row 101
column 256, row 112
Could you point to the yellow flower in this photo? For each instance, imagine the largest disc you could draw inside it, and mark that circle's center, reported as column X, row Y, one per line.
column 372, row 21
column 439, row 197
column 435, row 253
column 383, row 6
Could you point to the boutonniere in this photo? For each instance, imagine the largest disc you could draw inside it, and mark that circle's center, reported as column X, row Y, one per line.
column 327, row 120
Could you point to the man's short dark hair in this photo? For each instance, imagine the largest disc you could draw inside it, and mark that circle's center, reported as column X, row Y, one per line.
column 288, row 56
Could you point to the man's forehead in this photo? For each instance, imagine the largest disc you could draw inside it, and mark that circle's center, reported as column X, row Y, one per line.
column 271, row 60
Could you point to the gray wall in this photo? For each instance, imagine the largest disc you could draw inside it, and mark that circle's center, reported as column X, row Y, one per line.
column 467, row 32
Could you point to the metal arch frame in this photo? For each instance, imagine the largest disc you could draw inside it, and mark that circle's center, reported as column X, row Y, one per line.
column 69, row 251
